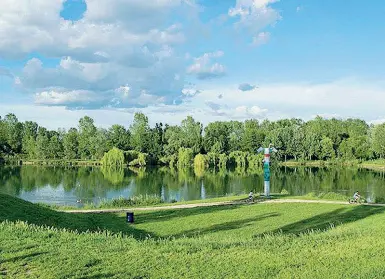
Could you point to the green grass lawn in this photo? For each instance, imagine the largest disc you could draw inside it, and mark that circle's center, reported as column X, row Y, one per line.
column 237, row 241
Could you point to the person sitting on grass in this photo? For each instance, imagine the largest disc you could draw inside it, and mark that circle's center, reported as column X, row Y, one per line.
column 356, row 196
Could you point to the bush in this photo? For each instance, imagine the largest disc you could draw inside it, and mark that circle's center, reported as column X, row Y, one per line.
column 113, row 158
column 132, row 201
column 141, row 161
column 285, row 192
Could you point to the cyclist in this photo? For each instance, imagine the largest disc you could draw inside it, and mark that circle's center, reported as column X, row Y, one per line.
column 251, row 196
column 356, row 196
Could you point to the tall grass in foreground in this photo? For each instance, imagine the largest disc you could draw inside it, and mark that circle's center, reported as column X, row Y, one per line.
column 248, row 241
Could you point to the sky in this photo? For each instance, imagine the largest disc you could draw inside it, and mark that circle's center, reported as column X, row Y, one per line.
column 214, row 60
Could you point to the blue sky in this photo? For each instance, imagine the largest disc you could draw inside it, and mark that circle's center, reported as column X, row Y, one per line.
column 214, row 60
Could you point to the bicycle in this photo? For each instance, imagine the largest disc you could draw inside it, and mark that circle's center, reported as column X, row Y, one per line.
column 250, row 200
column 356, row 201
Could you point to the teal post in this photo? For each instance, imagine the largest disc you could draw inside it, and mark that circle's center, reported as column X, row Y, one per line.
column 266, row 167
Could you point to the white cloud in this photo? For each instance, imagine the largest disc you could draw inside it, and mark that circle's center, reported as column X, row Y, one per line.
column 254, row 16
column 116, row 43
column 64, row 98
column 254, row 111
column 261, row 39
column 351, row 98
column 203, row 68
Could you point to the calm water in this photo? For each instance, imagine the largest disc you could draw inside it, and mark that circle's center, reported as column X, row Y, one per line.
column 57, row 185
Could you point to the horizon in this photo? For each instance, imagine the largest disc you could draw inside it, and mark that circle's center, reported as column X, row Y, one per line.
column 234, row 60
column 153, row 123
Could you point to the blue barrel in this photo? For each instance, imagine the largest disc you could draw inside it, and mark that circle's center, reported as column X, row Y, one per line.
column 130, row 217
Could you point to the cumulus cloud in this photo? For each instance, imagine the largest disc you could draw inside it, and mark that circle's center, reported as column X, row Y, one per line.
column 116, row 43
column 204, row 68
column 305, row 100
column 254, row 16
column 252, row 112
column 246, row 87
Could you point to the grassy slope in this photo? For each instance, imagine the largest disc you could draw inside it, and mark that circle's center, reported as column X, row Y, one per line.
column 248, row 241
column 108, row 206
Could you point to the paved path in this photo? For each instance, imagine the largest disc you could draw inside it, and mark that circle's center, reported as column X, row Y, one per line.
column 194, row 205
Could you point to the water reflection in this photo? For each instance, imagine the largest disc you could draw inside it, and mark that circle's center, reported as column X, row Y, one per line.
column 66, row 185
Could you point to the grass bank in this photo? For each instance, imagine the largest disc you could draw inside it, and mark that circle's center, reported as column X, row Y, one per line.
column 143, row 201
column 239, row 241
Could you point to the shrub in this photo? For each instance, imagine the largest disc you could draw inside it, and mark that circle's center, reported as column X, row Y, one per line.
column 113, row 158
column 140, row 161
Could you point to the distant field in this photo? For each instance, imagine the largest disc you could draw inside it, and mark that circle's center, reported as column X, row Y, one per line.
column 239, row 241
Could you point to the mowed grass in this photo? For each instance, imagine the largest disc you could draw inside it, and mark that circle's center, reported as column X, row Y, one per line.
column 238, row 241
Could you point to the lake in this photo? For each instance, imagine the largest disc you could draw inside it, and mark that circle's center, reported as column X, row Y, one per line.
column 64, row 186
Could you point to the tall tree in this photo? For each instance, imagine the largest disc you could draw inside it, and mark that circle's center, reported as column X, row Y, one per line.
column 119, row 137
column 216, row 135
column 192, row 134
column 70, row 144
column 140, row 132
column 326, row 150
column 253, row 136
column 86, row 139
column 42, row 144
column 14, row 130
column 379, row 140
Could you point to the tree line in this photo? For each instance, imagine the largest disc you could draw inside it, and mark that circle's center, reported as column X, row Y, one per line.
column 219, row 143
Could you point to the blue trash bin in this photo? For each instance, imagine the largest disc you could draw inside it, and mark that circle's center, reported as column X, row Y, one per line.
column 130, row 217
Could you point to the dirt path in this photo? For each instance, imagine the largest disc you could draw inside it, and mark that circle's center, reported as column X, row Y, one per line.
column 193, row 205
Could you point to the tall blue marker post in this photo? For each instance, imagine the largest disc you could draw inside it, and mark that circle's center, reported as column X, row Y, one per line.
column 266, row 167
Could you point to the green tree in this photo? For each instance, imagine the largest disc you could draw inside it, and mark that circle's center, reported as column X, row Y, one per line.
column 99, row 144
column 378, row 140
column 14, row 131
column 70, row 144
column 191, row 132
column 185, row 157
column 253, row 136
column 29, row 138
column 119, row 137
column 86, row 138
column 173, row 140
column 113, row 158
column 235, row 134
column 42, row 144
column 327, row 150
column 55, row 148
column 4, row 148
column 345, row 150
column 140, row 132
column 216, row 137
